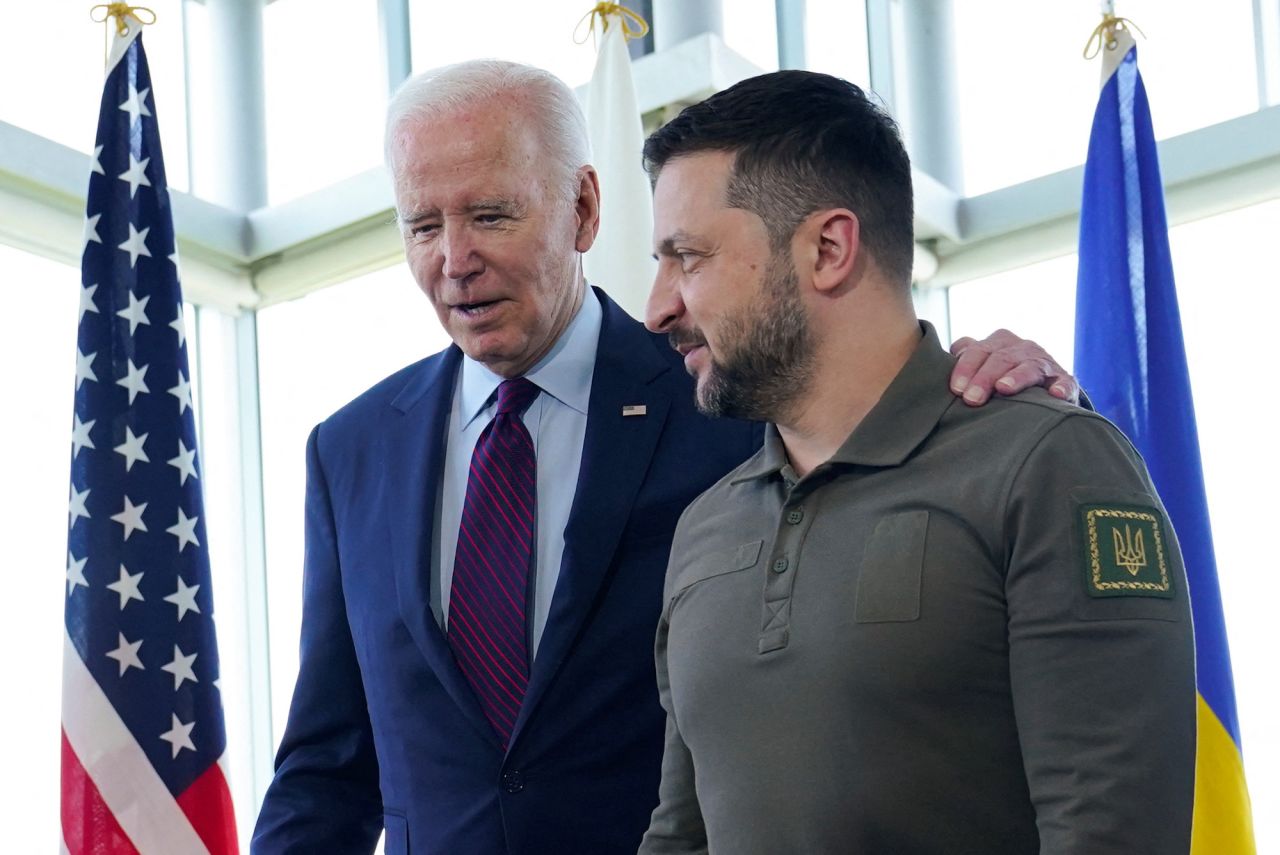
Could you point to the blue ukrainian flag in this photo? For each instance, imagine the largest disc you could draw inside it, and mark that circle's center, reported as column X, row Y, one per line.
column 1130, row 358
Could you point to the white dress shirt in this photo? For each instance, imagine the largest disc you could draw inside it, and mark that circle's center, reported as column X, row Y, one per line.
column 557, row 422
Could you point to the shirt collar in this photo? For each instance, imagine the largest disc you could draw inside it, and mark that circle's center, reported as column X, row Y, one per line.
column 564, row 372
column 905, row 415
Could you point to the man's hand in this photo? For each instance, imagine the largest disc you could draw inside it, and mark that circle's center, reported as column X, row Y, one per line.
column 1004, row 363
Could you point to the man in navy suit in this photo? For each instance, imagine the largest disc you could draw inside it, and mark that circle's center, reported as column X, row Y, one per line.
column 398, row 721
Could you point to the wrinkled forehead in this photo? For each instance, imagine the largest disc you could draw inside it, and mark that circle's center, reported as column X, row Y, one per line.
column 481, row 153
column 494, row 126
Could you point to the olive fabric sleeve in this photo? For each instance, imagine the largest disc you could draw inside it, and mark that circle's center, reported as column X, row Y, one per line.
column 676, row 827
column 1102, row 660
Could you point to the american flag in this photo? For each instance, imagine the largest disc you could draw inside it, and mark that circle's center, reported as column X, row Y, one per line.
column 142, row 726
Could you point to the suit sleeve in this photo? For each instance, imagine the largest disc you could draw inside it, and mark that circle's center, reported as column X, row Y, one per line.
column 676, row 827
column 1102, row 662
column 324, row 796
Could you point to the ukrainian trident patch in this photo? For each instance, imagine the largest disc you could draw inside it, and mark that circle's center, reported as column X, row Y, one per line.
column 1125, row 551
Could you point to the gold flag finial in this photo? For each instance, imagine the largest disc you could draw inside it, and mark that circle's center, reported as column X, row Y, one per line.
column 633, row 25
column 1104, row 35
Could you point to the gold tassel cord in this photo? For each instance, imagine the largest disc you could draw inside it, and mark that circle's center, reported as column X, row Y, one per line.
column 119, row 11
column 633, row 25
column 1104, row 35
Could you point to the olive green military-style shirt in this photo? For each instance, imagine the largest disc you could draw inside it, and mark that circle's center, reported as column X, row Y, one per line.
column 967, row 632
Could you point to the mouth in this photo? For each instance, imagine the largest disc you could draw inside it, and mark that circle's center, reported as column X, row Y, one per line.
column 475, row 310
column 690, row 344
column 693, row 353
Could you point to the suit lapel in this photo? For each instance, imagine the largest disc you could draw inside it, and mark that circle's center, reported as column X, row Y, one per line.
column 615, row 456
column 415, row 453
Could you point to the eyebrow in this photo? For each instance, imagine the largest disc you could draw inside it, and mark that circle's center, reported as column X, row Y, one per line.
column 667, row 246
column 502, row 206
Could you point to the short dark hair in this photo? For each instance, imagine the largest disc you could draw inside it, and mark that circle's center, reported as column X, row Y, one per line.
column 803, row 142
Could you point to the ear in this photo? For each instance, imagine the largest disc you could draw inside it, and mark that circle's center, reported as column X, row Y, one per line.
column 834, row 248
column 587, row 208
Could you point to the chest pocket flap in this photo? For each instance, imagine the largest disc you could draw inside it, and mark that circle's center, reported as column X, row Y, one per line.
column 892, row 566
column 716, row 564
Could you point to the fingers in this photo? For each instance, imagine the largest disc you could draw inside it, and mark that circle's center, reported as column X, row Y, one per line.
column 995, row 374
column 1005, row 364
column 1024, row 375
column 1066, row 387
column 970, row 356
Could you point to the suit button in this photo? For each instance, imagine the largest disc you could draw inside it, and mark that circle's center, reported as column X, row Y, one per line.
column 780, row 566
column 512, row 782
column 794, row 517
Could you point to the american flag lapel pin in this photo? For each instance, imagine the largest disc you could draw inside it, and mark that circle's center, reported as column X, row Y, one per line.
column 634, row 410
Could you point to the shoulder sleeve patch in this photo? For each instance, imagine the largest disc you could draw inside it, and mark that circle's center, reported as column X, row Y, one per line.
column 1125, row 551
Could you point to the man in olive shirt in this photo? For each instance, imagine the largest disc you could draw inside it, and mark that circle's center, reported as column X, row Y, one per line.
column 905, row 625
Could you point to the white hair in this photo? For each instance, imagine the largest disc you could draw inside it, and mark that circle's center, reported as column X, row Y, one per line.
column 549, row 102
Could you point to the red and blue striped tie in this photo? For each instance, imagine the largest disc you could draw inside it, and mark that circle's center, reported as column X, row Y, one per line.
column 487, row 628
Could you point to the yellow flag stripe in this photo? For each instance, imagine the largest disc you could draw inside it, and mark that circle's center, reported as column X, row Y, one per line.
column 1222, row 822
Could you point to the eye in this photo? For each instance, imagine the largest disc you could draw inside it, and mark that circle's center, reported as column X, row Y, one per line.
column 423, row 230
column 491, row 219
column 688, row 260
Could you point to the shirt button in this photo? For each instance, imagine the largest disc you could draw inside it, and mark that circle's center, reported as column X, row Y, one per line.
column 795, row 516
column 512, row 782
column 780, row 566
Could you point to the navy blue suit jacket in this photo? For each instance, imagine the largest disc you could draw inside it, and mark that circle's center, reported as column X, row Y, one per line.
column 385, row 731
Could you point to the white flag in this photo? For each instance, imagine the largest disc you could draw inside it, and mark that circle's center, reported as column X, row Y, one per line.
column 621, row 261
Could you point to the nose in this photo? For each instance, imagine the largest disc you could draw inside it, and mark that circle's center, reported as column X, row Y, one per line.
column 459, row 258
column 664, row 306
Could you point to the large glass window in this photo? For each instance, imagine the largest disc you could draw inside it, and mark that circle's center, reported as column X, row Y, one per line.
column 40, row 351
column 52, row 68
column 1037, row 302
column 540, row 34
column 751, row 29
column 1229, row 294
column 316, row 354
column 326, row 93
column 1027, row 96
column 835, row 35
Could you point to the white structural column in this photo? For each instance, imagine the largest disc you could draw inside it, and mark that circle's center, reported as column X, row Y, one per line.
column 884, row 50
column 675, row 21
column 397, row 52
column 230, row 170
column 926, row 106
column 910, row 83
column 790, row 15
column 231, row 160
column 927, row 97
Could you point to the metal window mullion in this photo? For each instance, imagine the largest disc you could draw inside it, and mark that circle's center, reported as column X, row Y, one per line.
column 232, row 172
column 254, row 550
column 882, row 51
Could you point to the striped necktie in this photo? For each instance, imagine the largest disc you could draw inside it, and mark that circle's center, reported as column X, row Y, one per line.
column 487, row 629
